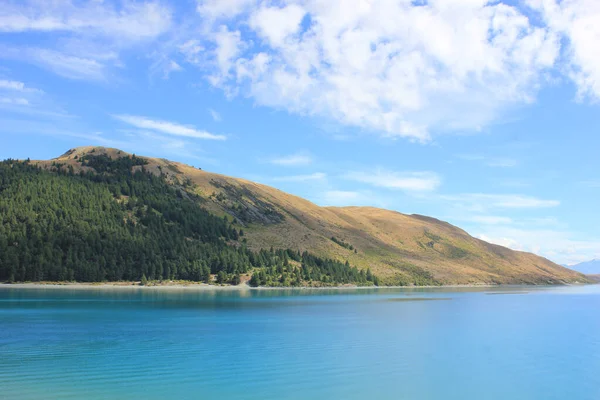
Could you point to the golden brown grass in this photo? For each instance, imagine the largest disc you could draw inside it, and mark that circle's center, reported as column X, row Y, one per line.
column 394, row 245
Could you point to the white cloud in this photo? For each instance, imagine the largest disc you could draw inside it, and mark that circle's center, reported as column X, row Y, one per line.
column 388, row 66
column 83, row 39
column 213, row 9
column 215, row 115
column 160, row 144
column 50, row 128
column 498, row 162
column 317, row 176
column 559, row 246
column 579, row 22
column 132, row 21
column 166, row 67
column 502, row 162
column 16, row 101
column 192, row 51
column 13, row 85
column 491, row 220
column 276, row 24
column 482, row 201
column 20, row 98
column 228, row 46
column 590, row 184
column 170, row 128
column 340, row 197
column 292, row 160
column 408, row 181
column 67, row 66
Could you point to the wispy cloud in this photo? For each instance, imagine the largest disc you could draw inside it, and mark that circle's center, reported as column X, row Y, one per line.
column 133, row 21
column 317, row 176
column 502, row 163
column 14, row 100
column 340, row 197
column 590, row 184
column 17, row 97
column 167, row 127
column 558, row 245
column 50, row 128
column 215, row 115
column 83, row 39
column 343, row 198
column 491, row 220
column 12, row 85
column 165, row 67
column 153, row 143
column 497, row 162
column 513, row 183
column 17, row 86
column 292, row 160
column 407, row 181
column 65, row 65
column 482, row 201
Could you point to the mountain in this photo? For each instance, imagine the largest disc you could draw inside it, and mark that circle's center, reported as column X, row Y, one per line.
column 588, row 267
column 399, row 249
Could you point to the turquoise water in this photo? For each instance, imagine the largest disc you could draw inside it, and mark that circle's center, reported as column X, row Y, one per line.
column 518, row 343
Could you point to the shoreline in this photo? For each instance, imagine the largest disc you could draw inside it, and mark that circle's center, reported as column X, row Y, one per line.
column 243, row 287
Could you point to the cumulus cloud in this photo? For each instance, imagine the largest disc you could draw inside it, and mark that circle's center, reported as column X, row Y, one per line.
column 407, row 181
column 215, row 9
column 578, row 21
column 394, row 67
column 167, row 127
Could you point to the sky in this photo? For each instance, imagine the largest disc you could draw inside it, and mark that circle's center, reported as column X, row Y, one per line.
column 482, row 113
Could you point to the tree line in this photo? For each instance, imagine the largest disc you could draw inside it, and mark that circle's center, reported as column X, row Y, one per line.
column 115, row 221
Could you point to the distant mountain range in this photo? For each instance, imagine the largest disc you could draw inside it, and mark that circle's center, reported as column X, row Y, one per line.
column 588, row 267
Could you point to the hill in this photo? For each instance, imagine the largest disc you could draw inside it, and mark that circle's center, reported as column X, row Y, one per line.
column 589, row 267
column 400, row 249
column 112, row 220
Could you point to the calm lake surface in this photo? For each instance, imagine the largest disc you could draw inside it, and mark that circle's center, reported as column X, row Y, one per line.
column 510, row 343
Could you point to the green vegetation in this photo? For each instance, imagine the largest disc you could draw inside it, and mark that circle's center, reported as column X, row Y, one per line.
column 116, row 222
column 341, row 242
column 411, row 274
column 289, row 268
column 457, row 252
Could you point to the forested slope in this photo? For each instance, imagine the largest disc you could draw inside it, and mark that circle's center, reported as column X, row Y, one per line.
column 112, row 221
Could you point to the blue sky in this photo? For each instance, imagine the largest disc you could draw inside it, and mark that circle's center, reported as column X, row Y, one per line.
column 484, row 114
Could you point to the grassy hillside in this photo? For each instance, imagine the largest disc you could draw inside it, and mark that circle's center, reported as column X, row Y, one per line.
column 399, row 249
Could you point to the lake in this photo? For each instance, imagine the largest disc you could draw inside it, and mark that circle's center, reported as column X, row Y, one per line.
column 502, row 343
